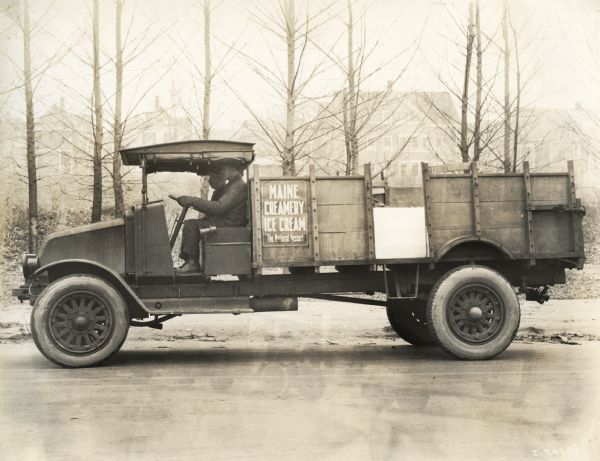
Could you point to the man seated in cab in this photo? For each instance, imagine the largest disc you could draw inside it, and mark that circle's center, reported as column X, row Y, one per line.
column 217, row 183
column 227, row 208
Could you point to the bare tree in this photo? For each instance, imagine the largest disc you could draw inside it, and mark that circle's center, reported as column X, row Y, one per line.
column 479, row 83
column 130, row 89
column 30, row 123
column 34, row 70
column 464, row 127
column 288, row 160
column 204, row 72
column 365, row 116
column 515, row 117
column 207, row 73
column 97, row 121
column 517, row 108
column 293, row 139
column 507, row 109
column 350, row 102
column 117, row 126
column 512, row 109
column 481, row 135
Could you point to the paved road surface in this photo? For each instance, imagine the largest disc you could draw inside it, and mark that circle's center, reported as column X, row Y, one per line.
column 328, row 382
column 198, row 400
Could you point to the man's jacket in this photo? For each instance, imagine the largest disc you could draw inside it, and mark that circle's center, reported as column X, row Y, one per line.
column 228, row 210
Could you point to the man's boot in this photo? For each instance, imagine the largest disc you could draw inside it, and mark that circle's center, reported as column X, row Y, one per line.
column 190, row 265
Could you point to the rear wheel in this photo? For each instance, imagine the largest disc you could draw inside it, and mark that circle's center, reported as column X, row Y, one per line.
column 79, row 321
column 407, row 318
column 473, row 312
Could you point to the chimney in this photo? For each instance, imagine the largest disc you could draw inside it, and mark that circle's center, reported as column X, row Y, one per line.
column 157, row 102
column 62, row 104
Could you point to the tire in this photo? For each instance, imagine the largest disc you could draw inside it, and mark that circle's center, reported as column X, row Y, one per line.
column 407, row 318
column 79, row 321
column 473, row 313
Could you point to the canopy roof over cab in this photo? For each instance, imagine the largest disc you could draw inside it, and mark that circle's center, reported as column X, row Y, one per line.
column 200, row 157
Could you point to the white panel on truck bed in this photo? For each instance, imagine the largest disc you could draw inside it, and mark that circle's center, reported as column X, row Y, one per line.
column 400, row 233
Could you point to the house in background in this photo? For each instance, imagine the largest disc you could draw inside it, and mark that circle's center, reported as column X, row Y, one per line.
column 403, row 130
column 160, row 125
column 417, row 127
column 397, row 131
column 64, row 156
column 551, row 137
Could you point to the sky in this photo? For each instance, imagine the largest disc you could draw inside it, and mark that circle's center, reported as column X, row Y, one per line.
column 422, row 41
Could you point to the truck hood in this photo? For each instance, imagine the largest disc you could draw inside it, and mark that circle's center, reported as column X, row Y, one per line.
column 102, row 242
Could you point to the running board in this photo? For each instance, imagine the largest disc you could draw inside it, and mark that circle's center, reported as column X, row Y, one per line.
column 220, row 305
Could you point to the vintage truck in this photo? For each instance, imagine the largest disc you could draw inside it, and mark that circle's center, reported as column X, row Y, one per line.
column 447, row 262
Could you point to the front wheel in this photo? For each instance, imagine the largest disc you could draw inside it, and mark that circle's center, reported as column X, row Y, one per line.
column 79, row 321
column 473, row 312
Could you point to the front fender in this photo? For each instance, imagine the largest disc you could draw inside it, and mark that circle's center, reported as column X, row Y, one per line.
column 58, row 269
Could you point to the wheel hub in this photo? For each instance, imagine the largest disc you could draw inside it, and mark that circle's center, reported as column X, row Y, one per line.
column 475, row 314
column 80, row 322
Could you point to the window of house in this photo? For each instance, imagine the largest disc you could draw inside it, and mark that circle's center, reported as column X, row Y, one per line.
column 401, row 142
column 414, row 144
column 387, row 143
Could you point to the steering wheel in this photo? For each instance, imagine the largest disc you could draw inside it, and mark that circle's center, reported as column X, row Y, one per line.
column 178, row 222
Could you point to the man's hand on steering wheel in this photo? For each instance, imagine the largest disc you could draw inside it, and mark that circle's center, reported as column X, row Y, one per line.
column 183, row 200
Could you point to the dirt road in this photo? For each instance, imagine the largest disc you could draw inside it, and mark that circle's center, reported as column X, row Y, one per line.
column 327, row 382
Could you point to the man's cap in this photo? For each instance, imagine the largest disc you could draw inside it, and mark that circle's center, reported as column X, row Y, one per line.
column 235, row 163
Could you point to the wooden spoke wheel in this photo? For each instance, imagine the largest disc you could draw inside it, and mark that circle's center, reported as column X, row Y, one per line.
column 79, row 321
column 473, row 312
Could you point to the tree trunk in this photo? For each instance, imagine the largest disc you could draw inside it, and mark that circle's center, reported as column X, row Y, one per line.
column 32, row 221
column 464, row 127
column 477, row 134
column 118, row 128
column 518, row 105
column 207, row 73
column 204, row 186
column 346, row 125
column 288, row 161
column 97, row 126
column 351, row 102
column 506, row 89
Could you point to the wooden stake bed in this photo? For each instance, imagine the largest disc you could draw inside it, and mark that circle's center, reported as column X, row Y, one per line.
column 320, row 221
